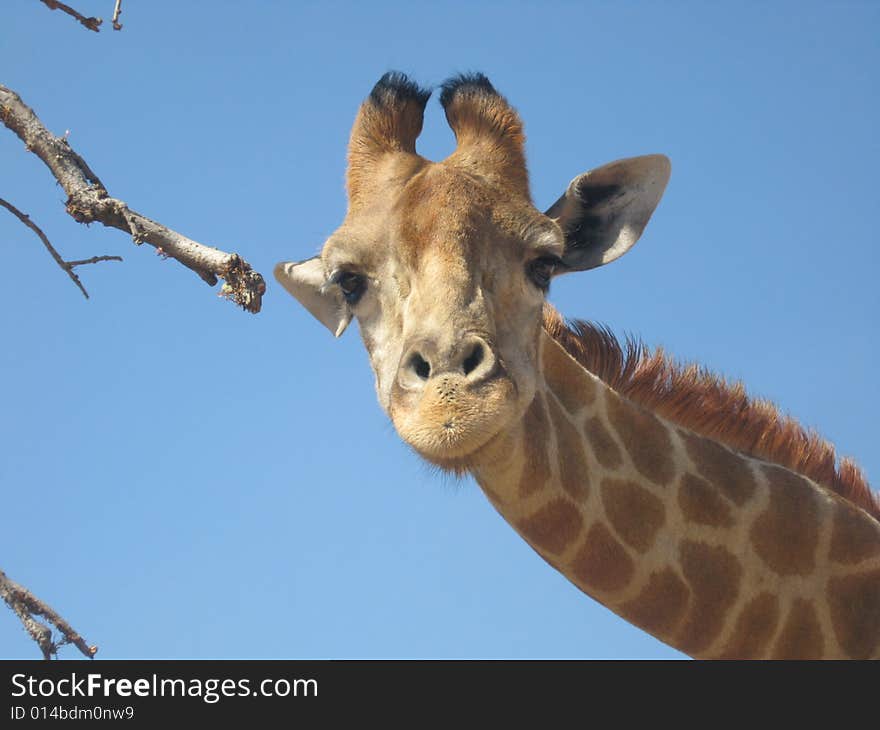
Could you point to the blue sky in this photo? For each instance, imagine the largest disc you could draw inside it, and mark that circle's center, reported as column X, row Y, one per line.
column 183, row 480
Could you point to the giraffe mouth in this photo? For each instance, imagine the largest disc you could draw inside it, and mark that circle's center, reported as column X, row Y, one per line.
column 448, row 422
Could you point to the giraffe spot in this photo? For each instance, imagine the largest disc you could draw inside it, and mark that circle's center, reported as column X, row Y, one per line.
column 801, row 636
column 496, row 499
column 604, row 448
column 568, row 380
column 536, row 469
column 602, row 563
column 728, row 471
column 553, row 527
column 658, row 609
column 573, row 471
column 854, row 601
column 854, row 535
column 701, row 503
column 754, row 628
column 713, row 575
column 786, row 534
column 644, row 437
column 635, row 513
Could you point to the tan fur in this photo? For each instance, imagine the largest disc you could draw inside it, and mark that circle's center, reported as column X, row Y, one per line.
column 380, row 132
column 490, row 138
column 708, row 405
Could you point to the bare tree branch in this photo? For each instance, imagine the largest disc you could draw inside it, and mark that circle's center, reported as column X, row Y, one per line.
column 117, row 11
column 89, row 201
column 93, row 260
column 90, row 23
column 26, row 606
column 65, row 265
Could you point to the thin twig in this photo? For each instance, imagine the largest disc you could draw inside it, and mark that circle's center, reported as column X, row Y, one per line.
column 65, row 265
column 88, row 201
column 90, row 23
column 26, row 606
column 93, row 260
column 117, row 11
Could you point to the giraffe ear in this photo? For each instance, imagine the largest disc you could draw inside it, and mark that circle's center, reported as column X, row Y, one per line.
column 604, row 211
column 306, row 281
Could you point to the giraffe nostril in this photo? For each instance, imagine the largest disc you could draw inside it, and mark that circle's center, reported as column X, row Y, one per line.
column 421, row 366
column 473, row 360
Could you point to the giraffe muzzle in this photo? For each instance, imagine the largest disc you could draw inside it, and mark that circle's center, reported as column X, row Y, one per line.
column 447, row 403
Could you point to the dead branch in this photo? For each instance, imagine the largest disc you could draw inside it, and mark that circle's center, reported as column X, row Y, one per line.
column 90, row 23
column 117, row 11
column 67, row 266
column 93, row 260
column 88, row 201
column 27, row 606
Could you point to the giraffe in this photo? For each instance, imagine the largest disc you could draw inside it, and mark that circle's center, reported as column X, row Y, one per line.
column 663, row 492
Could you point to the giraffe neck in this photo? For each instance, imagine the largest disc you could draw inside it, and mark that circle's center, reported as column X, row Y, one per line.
column 711, row 551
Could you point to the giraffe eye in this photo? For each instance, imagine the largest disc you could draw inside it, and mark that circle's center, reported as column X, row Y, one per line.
column 541, row 270
column 351, row 285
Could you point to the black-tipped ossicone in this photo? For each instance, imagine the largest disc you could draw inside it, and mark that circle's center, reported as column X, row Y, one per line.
column 396, row 86
column 465, row 83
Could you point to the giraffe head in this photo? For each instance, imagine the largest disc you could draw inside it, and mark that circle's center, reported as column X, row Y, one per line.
column 445, row 265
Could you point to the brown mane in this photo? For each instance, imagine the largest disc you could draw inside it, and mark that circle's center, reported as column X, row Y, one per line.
column 706, row 404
